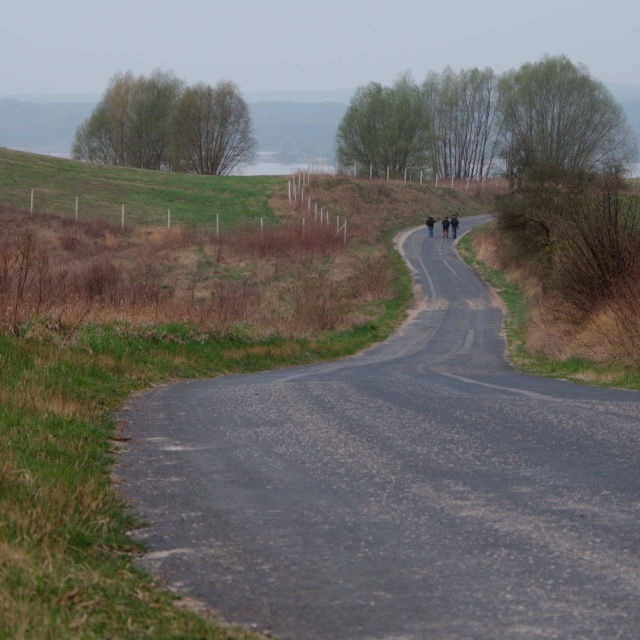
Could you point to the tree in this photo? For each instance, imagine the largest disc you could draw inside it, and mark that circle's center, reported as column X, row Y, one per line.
column 211, row 130
column 130, row 126
column 463, row 111
column 149, row 115
column 385, row 128
column 554, row 113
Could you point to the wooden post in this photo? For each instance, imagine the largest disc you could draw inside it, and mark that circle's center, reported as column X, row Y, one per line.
column 31, row 209
column 76, row 208
column 387, row 174
column 168, row 218
column 217, row 225
column 123, row 216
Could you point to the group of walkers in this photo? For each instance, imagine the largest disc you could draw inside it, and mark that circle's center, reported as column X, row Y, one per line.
column 446, row 225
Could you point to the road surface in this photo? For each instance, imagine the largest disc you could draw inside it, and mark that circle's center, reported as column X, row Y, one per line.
column 422, row 490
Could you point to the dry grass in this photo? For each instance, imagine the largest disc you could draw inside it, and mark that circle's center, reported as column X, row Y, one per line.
column 292, row 279
column 610, row 333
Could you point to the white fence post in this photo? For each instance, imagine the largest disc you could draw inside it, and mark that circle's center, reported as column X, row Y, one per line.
column 123, row 216
column 76, row 208
column 31, row 208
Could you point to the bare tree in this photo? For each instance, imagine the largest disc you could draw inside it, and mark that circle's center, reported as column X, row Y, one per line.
column 212, row 130
column 463, row 110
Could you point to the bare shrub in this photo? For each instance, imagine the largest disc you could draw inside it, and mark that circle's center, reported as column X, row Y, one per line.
column 597, row 248
column 319, row 302
column 372, row 278
column 287, row 239
column 101, row 281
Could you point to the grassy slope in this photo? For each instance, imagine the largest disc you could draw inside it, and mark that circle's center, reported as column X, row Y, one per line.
column 65, row 563
column 147, row 195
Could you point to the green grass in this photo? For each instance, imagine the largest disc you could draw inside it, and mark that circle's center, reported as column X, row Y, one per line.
column 576, row 369
column 64, row 553
column 146, row 195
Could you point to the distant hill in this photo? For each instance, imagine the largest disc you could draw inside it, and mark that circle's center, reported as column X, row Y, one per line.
column 293, row 131
column 47, row 128
column 294, row 125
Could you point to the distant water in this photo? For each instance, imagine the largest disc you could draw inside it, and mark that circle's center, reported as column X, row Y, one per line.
column 265, row 164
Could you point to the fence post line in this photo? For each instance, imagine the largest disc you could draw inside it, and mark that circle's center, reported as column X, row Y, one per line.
column 304, row 220
column 387, row 174
column 370, row 172
column 355, row 169
column 122, row 225
column 420, row 176
column 168, row 218
column 337, row 225
column 217, row 226
column 31, row 208
column 345, row 231
column 436, row 179
column 309, row 205
column 289, row 183
column 76, row 208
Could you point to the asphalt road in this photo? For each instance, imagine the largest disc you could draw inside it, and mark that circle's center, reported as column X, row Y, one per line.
column 421, row 490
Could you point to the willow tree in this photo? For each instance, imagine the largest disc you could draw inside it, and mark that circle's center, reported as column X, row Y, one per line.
column 555, row 114
column 385, row 129
column 212, row 132
column 130, row 126
column 465, row 127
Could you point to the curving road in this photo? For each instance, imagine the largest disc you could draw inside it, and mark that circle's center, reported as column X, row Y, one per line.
column 422, row 490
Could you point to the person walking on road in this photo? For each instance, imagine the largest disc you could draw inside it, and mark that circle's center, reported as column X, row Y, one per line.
column 454, row 225
column 445, row 227
column 430, row 224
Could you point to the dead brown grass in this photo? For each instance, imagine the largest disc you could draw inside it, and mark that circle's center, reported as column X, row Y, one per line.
column 302, row 275
column 609, row 333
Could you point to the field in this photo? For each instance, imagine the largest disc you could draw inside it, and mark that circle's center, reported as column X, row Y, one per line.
column 91, row 311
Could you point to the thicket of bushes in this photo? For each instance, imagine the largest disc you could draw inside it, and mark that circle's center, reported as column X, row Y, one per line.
column 577, row 235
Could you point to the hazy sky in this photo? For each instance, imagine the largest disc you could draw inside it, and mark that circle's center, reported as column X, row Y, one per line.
column 76, row 46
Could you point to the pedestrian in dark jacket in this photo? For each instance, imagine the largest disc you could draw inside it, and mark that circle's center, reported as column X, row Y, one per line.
column 454, row 225
column 445, row 227
column 430, row 224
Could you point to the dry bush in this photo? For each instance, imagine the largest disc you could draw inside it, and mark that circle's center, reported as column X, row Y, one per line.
column 371, row 278
column 289, row 238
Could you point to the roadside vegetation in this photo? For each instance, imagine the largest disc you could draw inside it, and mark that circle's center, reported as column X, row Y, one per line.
column 569, row 278
column 91, row 312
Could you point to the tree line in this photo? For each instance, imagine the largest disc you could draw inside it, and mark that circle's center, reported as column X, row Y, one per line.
column 158, row 122
column 474, row 123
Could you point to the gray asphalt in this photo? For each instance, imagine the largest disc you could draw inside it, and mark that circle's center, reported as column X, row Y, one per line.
column 421, row 490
